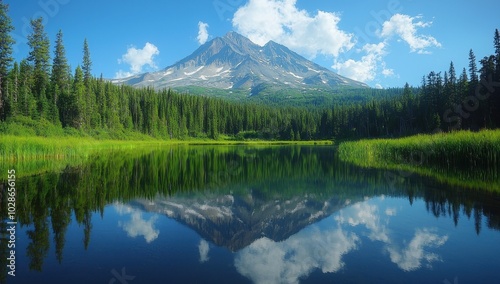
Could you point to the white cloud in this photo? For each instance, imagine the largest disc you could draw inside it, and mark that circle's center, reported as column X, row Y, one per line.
column 203, row 248
column 367, row 215
column 390, row 211
column 405, row 27
column 319, row 34
column 137, row 226
column 367, row 68
column 378, row 86
column 202, row 32
column 266, row 261
column 411, row 258
column 138, row 59
column 282, row 22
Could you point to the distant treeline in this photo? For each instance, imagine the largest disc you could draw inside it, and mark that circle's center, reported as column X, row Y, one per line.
column 38, row 89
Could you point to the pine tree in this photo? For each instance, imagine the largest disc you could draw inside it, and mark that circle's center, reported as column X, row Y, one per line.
column 496, row 42
column 92, row 119
column 60, row 68
column 59, row 79
column 87, row 63
column 6, row 42
column 77, row 101
column 495, row 101
column 12, row 92
column 451, row 87
column 473, row 68
column 39, row 56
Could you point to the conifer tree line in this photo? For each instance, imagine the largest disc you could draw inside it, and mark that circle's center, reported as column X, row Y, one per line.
column 44, row 88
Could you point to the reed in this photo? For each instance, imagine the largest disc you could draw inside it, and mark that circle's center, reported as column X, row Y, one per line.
column 474, row 153
column 36, row 148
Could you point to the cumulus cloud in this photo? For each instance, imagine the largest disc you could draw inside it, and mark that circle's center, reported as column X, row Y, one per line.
column 406, row 28
column 319, row 34
column 367, row 215
column 138, row 59
column 367, row 68
column 282, row 22
column 202, row 32
column 409, row 258
column 137, row 226
column 412, row 257
column 266, row 261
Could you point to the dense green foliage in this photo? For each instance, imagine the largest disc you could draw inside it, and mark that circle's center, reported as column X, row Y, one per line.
column 32, row 90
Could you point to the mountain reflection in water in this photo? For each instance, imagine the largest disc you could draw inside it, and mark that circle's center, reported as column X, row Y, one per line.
column 282, row 214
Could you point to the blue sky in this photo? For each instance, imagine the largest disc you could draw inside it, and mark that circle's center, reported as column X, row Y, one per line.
column 383, row 43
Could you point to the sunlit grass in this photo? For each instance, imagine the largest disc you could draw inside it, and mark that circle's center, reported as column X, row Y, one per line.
column 35, row 147
column 464, row 158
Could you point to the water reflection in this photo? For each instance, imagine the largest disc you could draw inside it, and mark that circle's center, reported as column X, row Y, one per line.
column 408, row 255
column 267, row 261
column 284, row 212
column 137, row 225
column 204, row 249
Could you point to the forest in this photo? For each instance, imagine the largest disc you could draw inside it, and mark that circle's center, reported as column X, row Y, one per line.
column 43, row 90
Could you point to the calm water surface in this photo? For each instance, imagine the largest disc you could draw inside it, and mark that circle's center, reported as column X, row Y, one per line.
column 284, row 214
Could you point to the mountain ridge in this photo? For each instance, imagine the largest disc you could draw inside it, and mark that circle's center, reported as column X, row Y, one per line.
column 233, row 62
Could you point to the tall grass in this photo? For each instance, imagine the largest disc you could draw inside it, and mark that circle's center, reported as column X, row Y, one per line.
column 473, row 157
column 34, row 148
column 462, row 148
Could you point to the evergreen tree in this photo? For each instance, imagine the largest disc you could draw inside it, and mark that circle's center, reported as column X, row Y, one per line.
column 12, row 92
column 496, row 42
column 87, row 63
column 59, row 79
column 77, row 101
column 60, row 68
column 6, row 42
column 473, row 68
column 91, row 116
column 39, row 56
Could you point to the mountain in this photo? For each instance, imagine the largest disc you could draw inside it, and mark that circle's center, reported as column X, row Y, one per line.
column 236, row 221
column 233, row 62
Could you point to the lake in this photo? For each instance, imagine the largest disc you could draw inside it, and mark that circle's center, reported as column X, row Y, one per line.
column 241, row 214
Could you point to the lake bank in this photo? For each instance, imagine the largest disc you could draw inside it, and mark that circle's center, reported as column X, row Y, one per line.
column 16, row 148
column 463, row 158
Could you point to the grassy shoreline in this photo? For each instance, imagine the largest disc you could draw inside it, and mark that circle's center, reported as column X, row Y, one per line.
column 35, row 147
column 464, row 158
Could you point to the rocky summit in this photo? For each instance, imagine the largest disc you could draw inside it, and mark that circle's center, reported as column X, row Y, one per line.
column 234, row 62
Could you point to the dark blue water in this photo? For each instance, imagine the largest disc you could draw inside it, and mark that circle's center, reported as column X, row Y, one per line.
column 277, row 215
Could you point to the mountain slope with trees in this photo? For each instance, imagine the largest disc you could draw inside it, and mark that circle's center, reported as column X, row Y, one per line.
column 40, row 90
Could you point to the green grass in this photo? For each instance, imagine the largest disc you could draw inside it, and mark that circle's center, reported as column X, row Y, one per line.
column 35, row 147
column 22, row 138
column 30, row 148
column 464, row 158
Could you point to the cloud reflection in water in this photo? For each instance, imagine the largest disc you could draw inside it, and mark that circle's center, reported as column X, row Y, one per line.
column 137, row 226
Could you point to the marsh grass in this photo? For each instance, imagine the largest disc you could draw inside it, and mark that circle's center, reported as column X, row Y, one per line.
column 35, row 148
column 461, row 158
column 19, row 148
